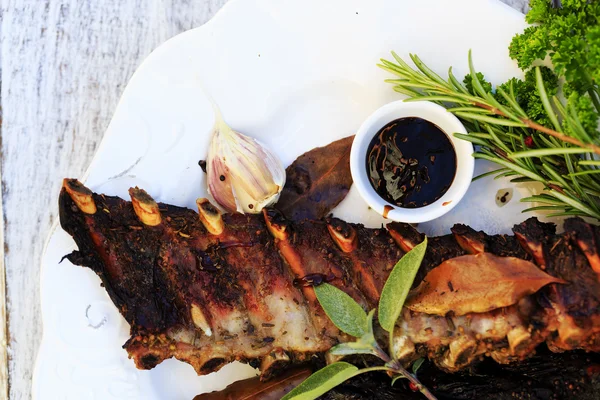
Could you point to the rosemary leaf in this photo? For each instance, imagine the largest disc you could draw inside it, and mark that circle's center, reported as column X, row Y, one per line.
column 588, row 172
column 548, row 152
column 437, row 98
column 496, row 171
column 489, row 120
column 541, row 198
column 472, row 139
column 509, row 165
column 544, row 208
column 589, row 162
column 544, row 97
column 576, row 204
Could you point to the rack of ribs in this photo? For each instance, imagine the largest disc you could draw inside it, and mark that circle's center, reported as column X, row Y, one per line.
column 208, row 288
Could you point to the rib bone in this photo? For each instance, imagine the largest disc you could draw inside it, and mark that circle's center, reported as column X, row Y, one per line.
column 200, row 320
column 274, row 361
column 145, row 207
column 343, row 234
column 461, row 352
column 519, row 338
column 210, row 217
column 276, row 223
column 81, row 195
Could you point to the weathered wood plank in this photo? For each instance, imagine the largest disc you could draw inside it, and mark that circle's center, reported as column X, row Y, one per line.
column 63, row 66
column 3, row 325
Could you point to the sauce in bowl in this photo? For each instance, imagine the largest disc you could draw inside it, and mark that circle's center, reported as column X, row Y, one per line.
column 411, row 162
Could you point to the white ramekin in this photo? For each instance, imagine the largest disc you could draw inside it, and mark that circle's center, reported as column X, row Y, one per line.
column 431, row 112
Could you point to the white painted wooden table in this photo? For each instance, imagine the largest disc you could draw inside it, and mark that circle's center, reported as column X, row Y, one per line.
column 63, row 67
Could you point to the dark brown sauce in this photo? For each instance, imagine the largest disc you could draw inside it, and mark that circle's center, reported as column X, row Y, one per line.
column 386, row 210
column 411, row 162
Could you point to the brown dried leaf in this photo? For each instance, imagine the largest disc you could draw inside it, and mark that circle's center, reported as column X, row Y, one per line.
column 317, row 181
column 477, row 283
column 255, row 389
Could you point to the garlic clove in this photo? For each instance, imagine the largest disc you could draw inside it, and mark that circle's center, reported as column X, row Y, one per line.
column 219, row 179
column 243, row 175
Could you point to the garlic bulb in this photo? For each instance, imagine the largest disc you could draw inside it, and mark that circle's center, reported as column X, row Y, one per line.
column 242, row 174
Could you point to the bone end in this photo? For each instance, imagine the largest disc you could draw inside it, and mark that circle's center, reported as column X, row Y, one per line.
column 404, row 348
column 584, row 237
column 460, row 353
column 210, row 216
column 200, row 320
column 532, row 235
column 536, row 249
column 405, row 236
column 569, row 334
column 145, row 207
column 468, row 239
column 276, row 223
column 343, row 234
column 273, row 362
column 519, row 339
column 81, row 196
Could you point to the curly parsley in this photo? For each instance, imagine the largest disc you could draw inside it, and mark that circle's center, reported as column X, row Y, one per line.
column 568, row 32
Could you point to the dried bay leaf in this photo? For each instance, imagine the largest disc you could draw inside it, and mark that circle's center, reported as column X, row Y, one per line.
column 255, row 389
column 317, row 181
column 477, row 283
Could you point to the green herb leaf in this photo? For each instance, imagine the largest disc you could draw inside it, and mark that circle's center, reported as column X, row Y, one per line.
column 342, row 310
column 366, row 344
column 397, row 286
column 345, row 349
column 397, row 377
column 417, row 364
column 322, row 381
column 544, row 98
column 549, row 152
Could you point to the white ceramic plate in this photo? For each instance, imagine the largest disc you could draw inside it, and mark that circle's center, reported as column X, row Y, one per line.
column 295, row 74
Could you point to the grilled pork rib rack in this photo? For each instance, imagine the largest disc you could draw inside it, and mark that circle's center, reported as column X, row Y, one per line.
column 209, row 288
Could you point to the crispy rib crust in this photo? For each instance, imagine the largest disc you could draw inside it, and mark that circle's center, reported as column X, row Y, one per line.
column 237, row 293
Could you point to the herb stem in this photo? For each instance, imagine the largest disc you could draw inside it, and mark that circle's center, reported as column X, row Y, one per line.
column 541, row 128
column 397, row 369
column 391, row 346
column 381, row 354
column 560, row 136
column 413, row 379
column 592, row 91
column 594, row 96
column 371, row 369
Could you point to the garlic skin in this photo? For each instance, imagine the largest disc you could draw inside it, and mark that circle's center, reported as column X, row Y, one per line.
column 242, row 174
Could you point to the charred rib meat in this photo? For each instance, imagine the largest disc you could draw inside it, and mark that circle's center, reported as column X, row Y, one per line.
column 208, row 288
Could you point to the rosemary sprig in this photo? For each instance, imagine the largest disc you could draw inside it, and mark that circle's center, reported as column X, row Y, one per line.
column 561, row 158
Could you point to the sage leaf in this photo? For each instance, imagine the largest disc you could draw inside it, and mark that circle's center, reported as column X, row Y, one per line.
column 394, row 379
column 417, row 364
column 322, row 381
column 344, row 349
column 369, row 336
column 342, row 310
column 397, row 286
